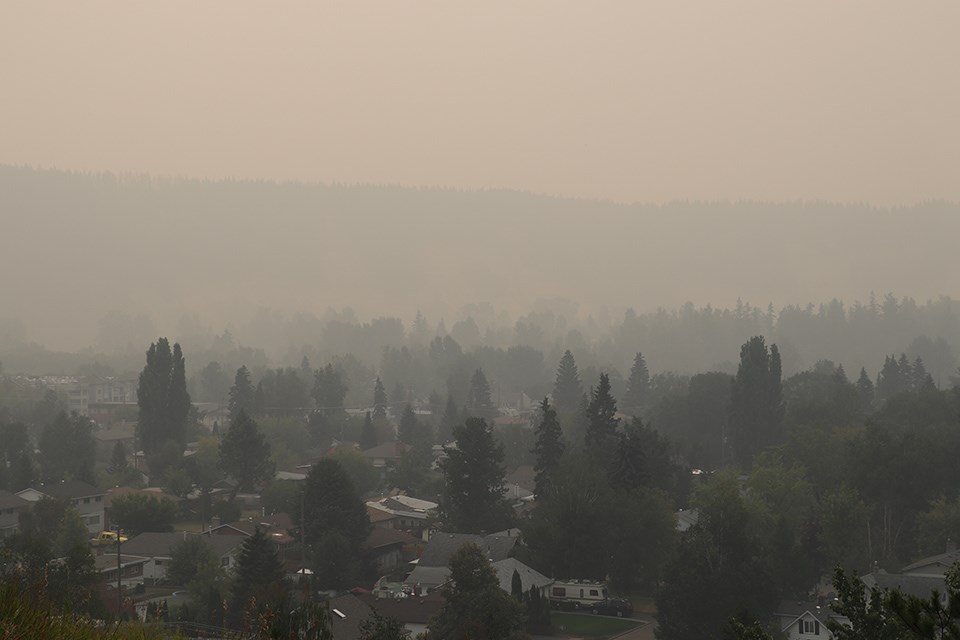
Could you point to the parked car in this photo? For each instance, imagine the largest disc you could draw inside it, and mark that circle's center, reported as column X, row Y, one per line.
column 106, row 538
column 619, row 607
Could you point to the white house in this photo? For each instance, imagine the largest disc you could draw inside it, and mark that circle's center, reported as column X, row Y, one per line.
column 11, row 506
column 158, row 549
column 806, row 620
column 87, row 499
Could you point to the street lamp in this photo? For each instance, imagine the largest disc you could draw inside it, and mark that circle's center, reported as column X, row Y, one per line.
column 119, row 584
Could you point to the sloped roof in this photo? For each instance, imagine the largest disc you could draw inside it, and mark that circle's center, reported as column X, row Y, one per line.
column 413, row 610
column 12, row 501
column 153, row 544
column 523, row 476
column 528, row 577
column 386, row 450
column 345, row 625
column 934, row 564
column 427, row 576
column 69, row 489
column 378, row 515
column 687, row 518
column 913, row 585
column 442, row 546
column 382, row 537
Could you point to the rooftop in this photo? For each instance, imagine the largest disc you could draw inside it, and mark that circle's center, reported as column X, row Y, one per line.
column 152, row 544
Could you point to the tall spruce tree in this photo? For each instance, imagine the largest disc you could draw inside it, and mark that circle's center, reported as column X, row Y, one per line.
column 472, row 499
column 407, row 431
column 368, row 434
column 479, row 401
column 567, row 388
column 601, row 415
column 242, row 394
column 449, row 420
column 638, row 384
column 163, row 400
column 756, row 402
column 379, row 403
column 259, row 578
column 548, row 450
column 245, row 454
column 865, row 392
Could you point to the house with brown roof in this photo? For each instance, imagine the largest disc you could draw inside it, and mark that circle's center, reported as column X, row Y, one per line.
column 388, row 549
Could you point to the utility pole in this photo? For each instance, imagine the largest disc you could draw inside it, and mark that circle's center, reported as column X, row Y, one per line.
column 119, row 583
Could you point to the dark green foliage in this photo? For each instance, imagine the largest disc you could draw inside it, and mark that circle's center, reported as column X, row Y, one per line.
column 407, row 431
column 245, row 454
column 756, row 406
column 379, row 400
column 336, row 523
column 548, row 450
column 638, row 384
column 822, row 396
column 242, row 394
column 189, row 558
column 479, row 402
column 67, row 449
column 567, row 388
column 601, row 416
column 368, row 435
column 284, row 392
column 472, row 498
column 516, row 586
column 449, row 420
column 16, row 467
column 136, row 513
column 258, row 583
column 376, row 627
column 329, row 390
column 118, row 458
column 865, row 393
column 475, row 606
column 164, row 404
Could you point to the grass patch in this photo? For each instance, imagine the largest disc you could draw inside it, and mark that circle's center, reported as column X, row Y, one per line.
column 590, row 626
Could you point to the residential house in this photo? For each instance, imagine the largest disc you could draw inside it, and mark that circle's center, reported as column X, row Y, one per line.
column 529, row 578
column 409, row 514
column 131, row 569
column 276, row 527
column 347, row 613
column 387, row 548
column 909, row 584
column 158, row 548
column 433, row 568
column 11, row 507
column 936, row 566
column 385, row 455
column 88, row 500
column 806, row 620
column 107, row 439
column 414, row 612
column 686, row 518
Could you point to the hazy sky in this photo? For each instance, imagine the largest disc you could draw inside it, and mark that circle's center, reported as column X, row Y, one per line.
column 632, row 101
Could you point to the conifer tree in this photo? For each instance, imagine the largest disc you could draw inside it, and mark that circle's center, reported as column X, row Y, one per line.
column 118, row 459
column 637, row 386
column 368, row 435
column 472, row 497
column 756, row 408
column 379, row 403
column 241, row 394
column 918, row 375
column 245, row 454
column 449, row 420
column 479, row 402
column 567, row 388
column 865, row 392
column 259, row 577
column 601, row 415
column 548, row 450
column 162, row 399
column 407, row 431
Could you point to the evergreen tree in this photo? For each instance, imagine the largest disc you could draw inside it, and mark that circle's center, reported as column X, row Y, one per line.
column 163, row 400
column 918, row 375
column 407, row 431
column 475, row 606
column 638, row 384
column 67, row 449
column 472, row 497
column 368, row 434
column 379, row 403
column 450, row 419
column 548, row 449
column 906, row 373
column 329, row 391
column 245, row 454
column 398, row 398
column 756, row 408
column 567, row 388
column 516, row 586
column 258, row 582
column 479, row 402
column 241, row 394
column 865, row 392
column 335, row 524
column 601, row 415
column 118, row 459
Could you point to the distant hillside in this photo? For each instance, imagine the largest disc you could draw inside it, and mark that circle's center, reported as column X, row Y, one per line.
column 75, row 247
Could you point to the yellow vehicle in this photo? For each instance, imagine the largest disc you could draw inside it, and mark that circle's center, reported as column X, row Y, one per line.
column 105, row 538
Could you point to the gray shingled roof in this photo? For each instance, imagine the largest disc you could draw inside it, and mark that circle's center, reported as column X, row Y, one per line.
column 12, row 501
column 69, row 489
column 353, row 611
column 939, row 563
column 153, row 544
column 919, row 586
column 528, row 577
column 442, row 546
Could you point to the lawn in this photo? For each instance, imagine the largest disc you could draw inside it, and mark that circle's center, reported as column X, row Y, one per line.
column 582, row 624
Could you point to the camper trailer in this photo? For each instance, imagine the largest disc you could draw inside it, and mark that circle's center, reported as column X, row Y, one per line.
column 576, row 594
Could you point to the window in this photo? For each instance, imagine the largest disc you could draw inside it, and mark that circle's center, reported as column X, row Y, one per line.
column 560, row 592
column 810, row 626
column 594, row 592
column 86, row 501
column 99, row 498
column 158, row 562
column 225, row 561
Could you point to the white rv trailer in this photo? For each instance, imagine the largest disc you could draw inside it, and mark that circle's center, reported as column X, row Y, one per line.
column 574, row 594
